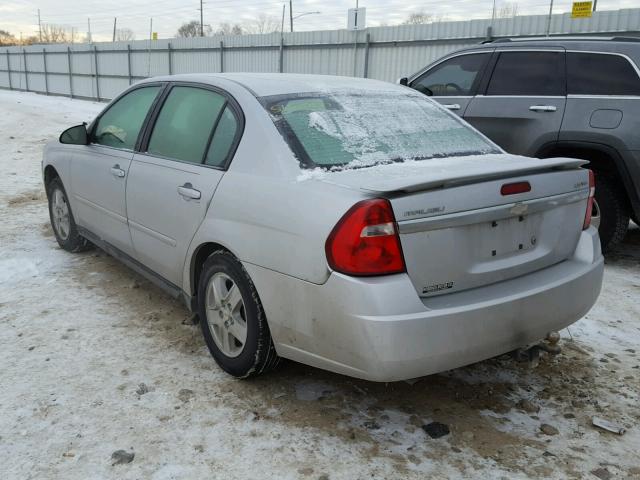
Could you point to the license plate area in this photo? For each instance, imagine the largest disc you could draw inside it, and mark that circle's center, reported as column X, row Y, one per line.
column 508, row 236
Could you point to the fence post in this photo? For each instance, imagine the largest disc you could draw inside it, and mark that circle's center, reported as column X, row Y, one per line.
column 366, row 55
column 95, row 61
column 129, row 61
column 221, row 56
column 9, row 69
column 46, row 77
column 70, row 72
column 281, row 66
column 170, row 59
column 26, row 70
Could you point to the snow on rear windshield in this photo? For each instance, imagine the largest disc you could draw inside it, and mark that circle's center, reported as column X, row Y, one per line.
column 351, row 129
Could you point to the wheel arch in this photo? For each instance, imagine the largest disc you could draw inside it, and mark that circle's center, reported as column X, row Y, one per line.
column 50, row 173
column 198, row 257
column 602, row 159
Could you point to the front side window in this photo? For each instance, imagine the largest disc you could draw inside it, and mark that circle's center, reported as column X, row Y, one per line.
column 454, row 77
column 120, row 125
column 601, row 74
column 355, row 129
column 528, row 74
column 184, row 124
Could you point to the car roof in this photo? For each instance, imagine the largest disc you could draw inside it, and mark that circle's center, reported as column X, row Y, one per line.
column 266, row 84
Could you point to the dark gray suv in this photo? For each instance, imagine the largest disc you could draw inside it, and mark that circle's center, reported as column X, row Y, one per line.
column 549, row 97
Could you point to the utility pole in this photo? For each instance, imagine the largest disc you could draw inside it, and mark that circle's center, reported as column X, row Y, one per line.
column 595, row 4
column 291, row 14
column 282, row 25
column 89, row 39
column 201, row 21
column 115, row 20
column 39, row 26
column 549, row 19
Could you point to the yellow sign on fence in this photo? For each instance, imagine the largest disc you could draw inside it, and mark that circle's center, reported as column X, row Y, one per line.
column 582, row 9
column 154, row 35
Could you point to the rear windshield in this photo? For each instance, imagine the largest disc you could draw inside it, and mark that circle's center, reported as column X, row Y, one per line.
column 352, row 129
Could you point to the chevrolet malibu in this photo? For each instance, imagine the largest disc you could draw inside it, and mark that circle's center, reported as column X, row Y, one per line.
column 351, row 225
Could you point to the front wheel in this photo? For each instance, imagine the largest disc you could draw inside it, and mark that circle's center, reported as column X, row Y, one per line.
column 232, row 319
column 62, row 221
column 610, row 213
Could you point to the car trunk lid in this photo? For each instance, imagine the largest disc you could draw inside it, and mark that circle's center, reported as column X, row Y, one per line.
column 458, row 228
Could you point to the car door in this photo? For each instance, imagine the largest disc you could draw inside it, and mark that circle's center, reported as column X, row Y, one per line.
column 453, row 81
column 173, row 178
column 523, row 101
column 99, row 169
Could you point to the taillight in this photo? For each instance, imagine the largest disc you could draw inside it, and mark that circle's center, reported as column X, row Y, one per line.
column 592, row 193
column 365, row 241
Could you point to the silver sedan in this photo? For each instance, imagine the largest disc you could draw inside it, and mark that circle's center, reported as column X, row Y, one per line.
column 348, row 224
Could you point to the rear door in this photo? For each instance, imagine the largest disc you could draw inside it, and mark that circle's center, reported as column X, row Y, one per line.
column 173, row 179
column 522, row 104
column 99, row 170
column 453, row 81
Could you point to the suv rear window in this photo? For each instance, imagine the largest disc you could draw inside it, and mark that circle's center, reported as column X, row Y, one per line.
column 354, row 128
column 528, row 74
column 601, row 74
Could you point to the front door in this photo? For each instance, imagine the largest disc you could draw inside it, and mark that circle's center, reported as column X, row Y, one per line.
column 172, row 182
column 522, row 107
column 99, row 170
column 453, row 81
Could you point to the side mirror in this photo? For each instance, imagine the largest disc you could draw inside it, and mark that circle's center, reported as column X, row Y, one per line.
column 403, row 81
column 75, row 135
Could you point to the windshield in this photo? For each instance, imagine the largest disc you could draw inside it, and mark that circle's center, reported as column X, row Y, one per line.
column 353, row 129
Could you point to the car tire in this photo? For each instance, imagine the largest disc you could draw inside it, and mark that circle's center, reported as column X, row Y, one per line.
column 613, row 211
column 224, row 316
column 62, row 221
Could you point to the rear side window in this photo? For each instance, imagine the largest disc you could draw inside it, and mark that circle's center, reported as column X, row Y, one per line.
column 454, row 77
column 222, row 140
column 601, row 74
column 184, row 124
column 528, row 74
column 120, row 125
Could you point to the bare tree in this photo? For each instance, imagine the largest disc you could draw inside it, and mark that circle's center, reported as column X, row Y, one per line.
column 419, row 18
column 55, row 34
column 124, row 35
column 7, row 39
column 228, row 29
column 192, row 29
column 262, row 24
column 508, row 10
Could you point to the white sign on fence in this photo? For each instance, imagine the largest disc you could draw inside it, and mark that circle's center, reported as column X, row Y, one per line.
column 356, row 18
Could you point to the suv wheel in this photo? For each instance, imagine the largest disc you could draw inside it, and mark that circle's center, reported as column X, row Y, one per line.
column 64, row 226
column 233, row 321
column 611, row 215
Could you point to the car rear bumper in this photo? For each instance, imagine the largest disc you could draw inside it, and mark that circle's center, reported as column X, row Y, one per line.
column 380, row 329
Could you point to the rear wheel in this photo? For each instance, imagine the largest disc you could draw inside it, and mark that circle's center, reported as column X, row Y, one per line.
column 62, row 221
column 610, row 212
column 232, row 319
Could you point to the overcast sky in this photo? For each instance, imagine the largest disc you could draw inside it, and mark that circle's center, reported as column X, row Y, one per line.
column 21, row 16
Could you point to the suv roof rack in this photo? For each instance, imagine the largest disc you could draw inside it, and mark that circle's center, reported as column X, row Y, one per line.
column 564, row 39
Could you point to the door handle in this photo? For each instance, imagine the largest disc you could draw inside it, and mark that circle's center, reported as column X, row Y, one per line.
column 116, row 171
column 543, row 108
column 188, row 192
column 452, row 106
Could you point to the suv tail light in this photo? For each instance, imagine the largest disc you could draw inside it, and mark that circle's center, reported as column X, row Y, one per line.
column 365, row 241
column 592, row 192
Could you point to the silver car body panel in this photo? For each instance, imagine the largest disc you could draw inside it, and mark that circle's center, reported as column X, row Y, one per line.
column 276, row 220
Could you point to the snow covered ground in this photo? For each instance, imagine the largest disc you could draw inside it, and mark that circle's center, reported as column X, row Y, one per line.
column 93, row 359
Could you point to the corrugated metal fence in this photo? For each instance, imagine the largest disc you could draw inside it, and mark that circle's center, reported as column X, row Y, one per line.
column 102, row 70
